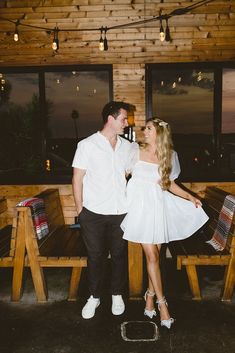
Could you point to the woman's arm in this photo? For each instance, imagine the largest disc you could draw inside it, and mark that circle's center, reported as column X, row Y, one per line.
column 177, row 190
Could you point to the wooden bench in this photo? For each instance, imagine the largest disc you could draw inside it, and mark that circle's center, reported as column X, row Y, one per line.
column 12, row 249
column 62, row 247
column 194, row 251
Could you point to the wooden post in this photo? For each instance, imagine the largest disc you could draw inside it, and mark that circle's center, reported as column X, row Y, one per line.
column 229, row 276
column 193, row 281
column 74, row 282
column 135, row 269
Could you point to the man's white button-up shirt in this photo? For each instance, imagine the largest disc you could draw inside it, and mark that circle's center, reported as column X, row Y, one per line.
column 104, row 183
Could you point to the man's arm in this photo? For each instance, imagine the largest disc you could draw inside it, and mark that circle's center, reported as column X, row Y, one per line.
column 77, row 184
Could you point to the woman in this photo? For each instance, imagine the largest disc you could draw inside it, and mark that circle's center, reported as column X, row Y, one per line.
column 159, row 210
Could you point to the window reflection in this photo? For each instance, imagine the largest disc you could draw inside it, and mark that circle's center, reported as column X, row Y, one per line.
column 228, row 102
column 76, row 99
column 185, row 98
column 20, row 123
column 228, row 120
column 43, row 114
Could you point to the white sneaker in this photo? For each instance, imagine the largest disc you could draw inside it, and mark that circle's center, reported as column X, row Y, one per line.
column 88, row 310
column 118, row 306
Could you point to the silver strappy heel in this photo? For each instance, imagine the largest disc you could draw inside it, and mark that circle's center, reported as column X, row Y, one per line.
column 166, row 323
column 149, row 313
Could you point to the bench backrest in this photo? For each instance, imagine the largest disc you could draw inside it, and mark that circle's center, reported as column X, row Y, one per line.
column 8, row 233
column 55, row 219
column 3, row 211
column 53, row 208
column 62, row 241
column 214, row 200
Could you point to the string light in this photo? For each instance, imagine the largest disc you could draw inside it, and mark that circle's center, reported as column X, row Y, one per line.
column 55, row 43
column 162, row 33
column 167, row 36
column 105, row 40
column 16, row 33
column 103, row 43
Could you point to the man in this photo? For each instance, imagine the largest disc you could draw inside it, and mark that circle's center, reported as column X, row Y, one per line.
column 100, row 165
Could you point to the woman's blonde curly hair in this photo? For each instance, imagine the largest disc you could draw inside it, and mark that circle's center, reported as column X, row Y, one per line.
column 164, row 150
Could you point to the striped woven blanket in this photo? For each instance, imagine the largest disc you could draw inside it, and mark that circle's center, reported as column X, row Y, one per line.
column 219, row 238
column 39, row 217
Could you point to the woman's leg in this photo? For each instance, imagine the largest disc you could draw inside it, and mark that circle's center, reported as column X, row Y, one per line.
column 152, row 253
column 150, row 298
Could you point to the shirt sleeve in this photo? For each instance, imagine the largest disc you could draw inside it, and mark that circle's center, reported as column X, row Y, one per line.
column 80, row 159
column 175, row 172
column 133, row 157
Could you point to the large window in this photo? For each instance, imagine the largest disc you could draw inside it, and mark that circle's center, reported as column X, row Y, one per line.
column 44, row 112
column 228, row 118
column 75, row 99
column 189, row 97
column 19, row 121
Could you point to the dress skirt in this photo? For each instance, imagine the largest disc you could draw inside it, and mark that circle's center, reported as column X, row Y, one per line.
column 156, row 216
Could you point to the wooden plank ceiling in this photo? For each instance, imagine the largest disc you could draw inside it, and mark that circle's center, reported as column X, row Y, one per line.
column 207, row 33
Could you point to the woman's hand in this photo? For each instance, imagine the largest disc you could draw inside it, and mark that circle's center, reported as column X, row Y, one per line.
column 177, row 190
column 194, row 200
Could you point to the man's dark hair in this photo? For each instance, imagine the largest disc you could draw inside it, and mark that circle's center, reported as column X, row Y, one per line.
column 113, row 108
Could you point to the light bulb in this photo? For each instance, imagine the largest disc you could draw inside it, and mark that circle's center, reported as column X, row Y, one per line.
column 101, row 44
column 16, row 36
column 54, row 45
column 162, row 36
column 162, row 33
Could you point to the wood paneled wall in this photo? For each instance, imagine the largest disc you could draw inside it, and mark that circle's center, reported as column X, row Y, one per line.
column 16, row 193
column 207, row 33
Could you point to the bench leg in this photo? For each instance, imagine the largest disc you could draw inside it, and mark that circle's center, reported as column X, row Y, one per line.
column 18, row 260
column 74, row 283
column 36, row 269
column 39, row 282
column 193, row 281
column 135, row 270
column 229, row 281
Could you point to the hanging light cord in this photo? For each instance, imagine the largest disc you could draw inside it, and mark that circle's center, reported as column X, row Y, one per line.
column 176, row 12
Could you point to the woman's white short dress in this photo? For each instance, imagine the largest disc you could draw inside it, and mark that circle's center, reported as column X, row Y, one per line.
column 156, row 216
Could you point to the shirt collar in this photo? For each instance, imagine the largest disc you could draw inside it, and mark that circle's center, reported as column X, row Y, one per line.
column 118, row 144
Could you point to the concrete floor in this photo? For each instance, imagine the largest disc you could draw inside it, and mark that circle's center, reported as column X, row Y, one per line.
column 57, row 326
